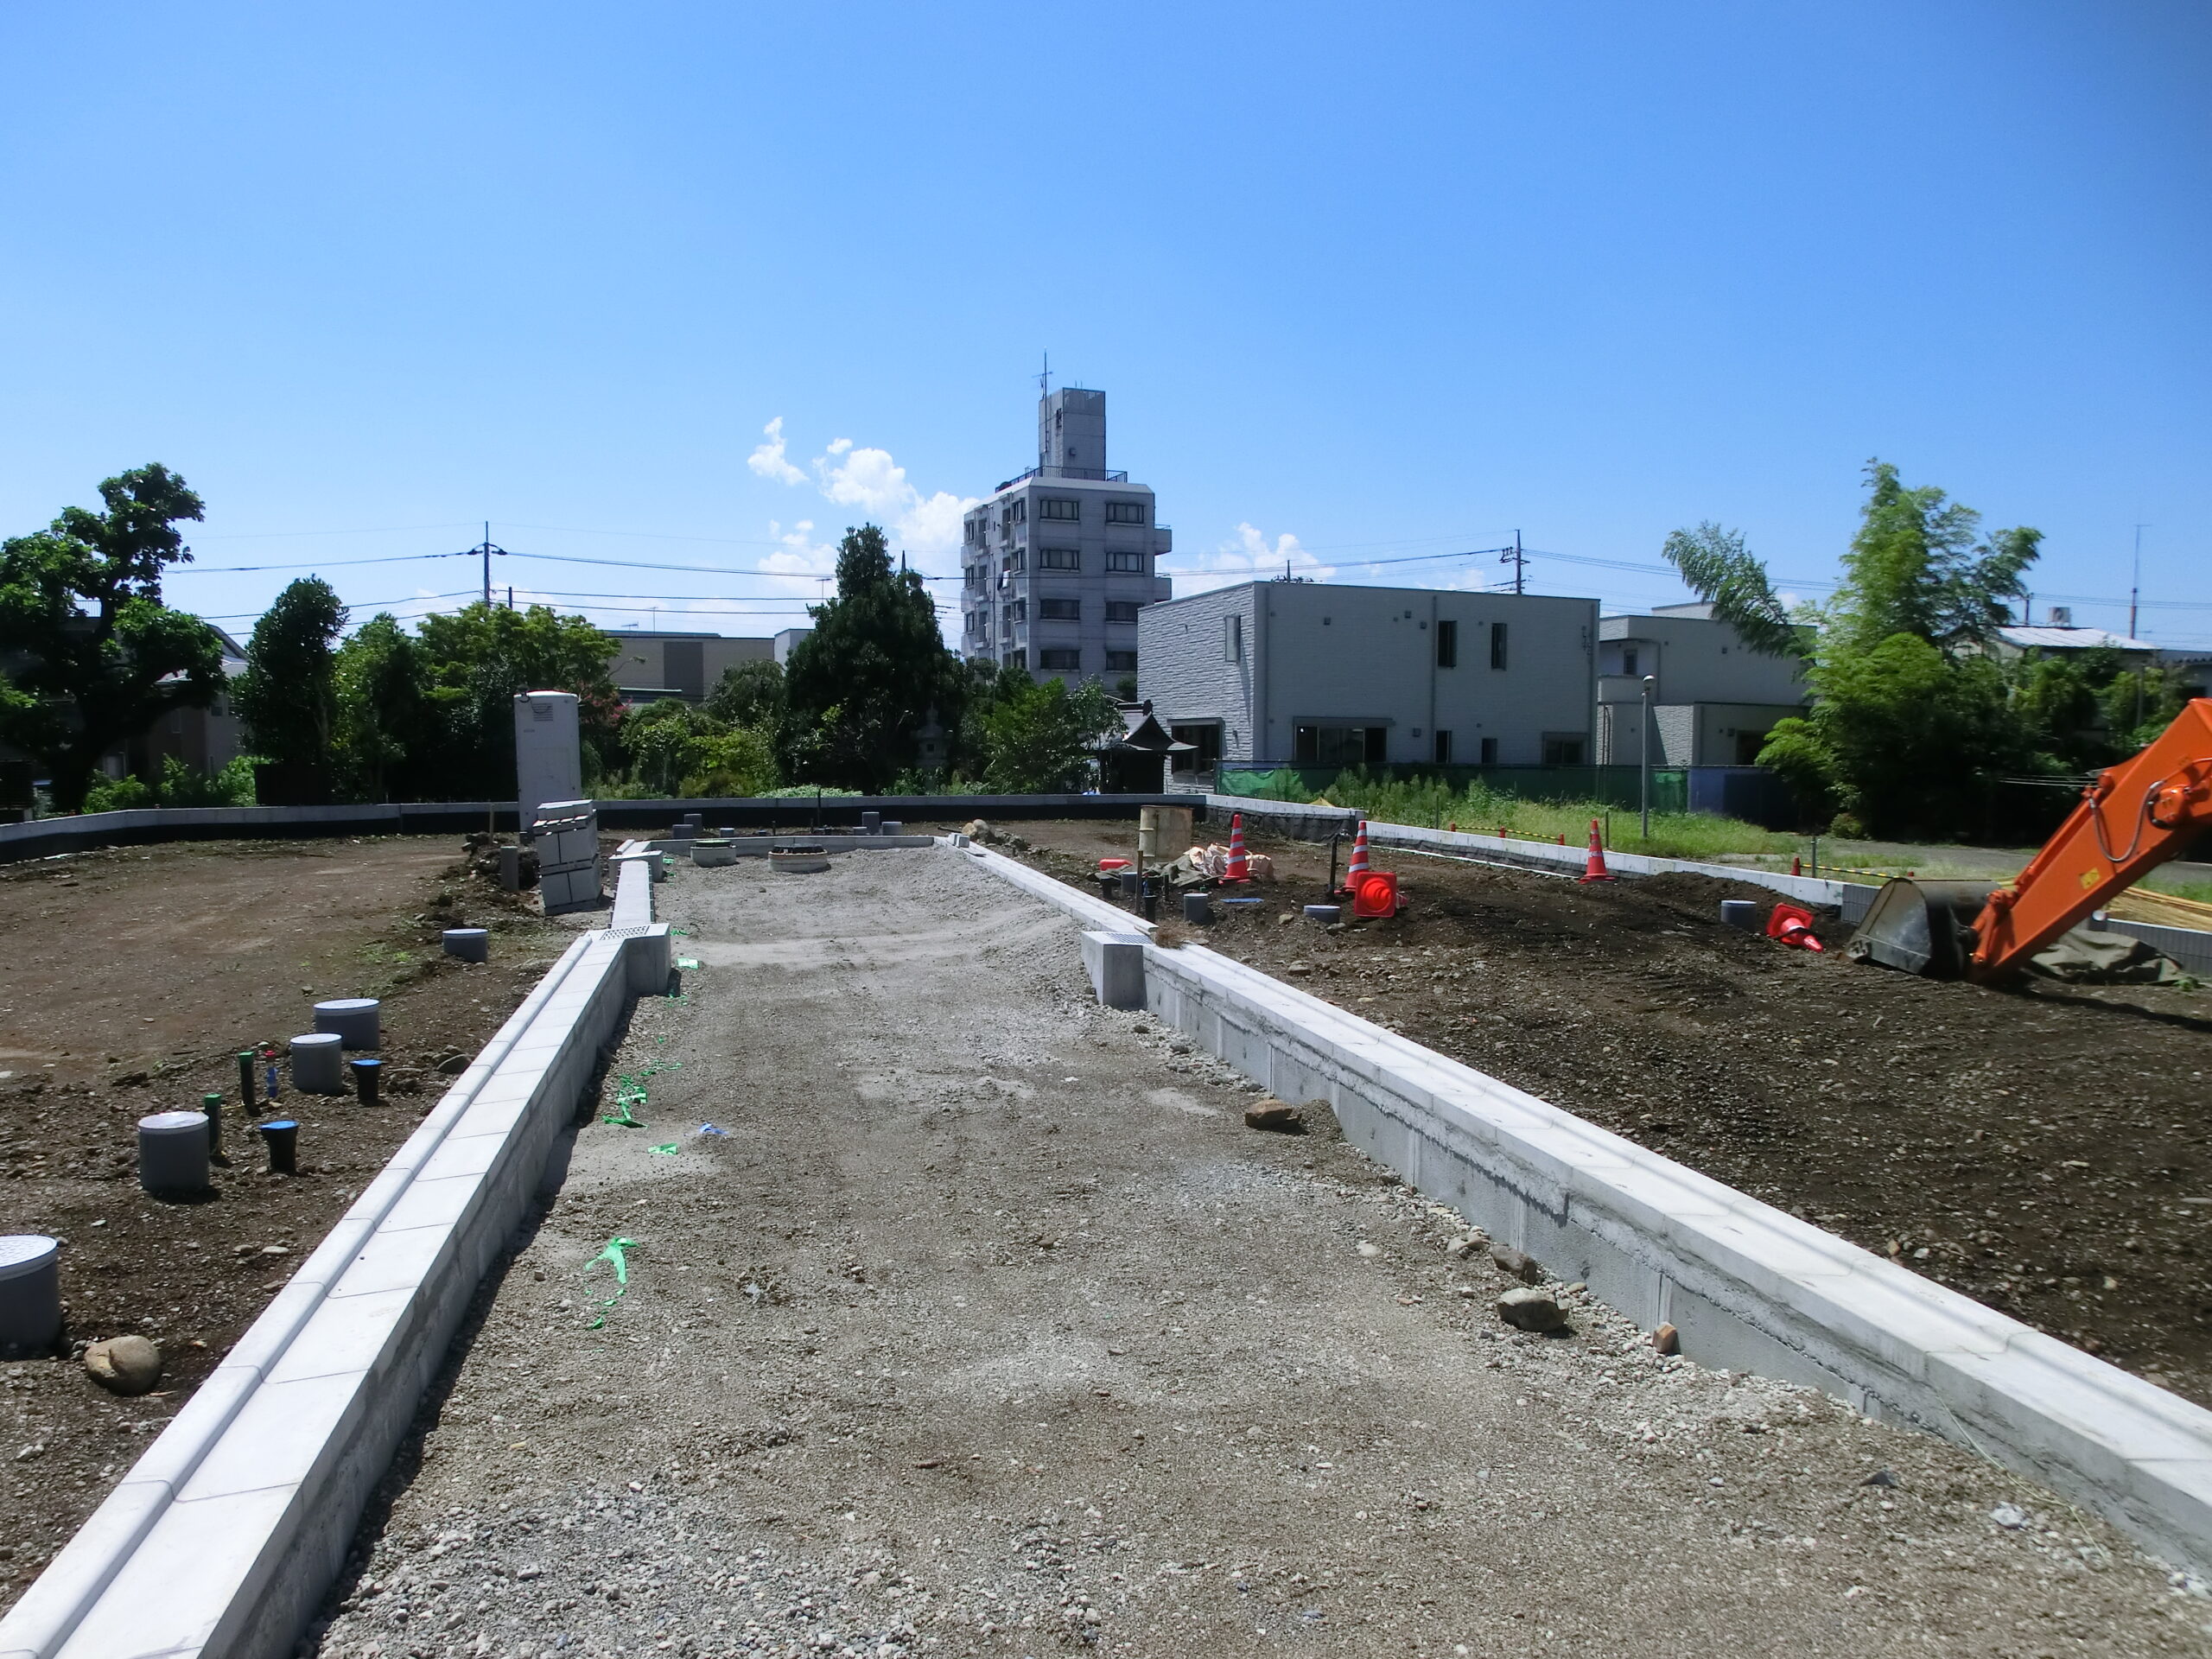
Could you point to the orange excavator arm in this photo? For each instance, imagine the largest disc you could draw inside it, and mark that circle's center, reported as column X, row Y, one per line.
column 2134, row 818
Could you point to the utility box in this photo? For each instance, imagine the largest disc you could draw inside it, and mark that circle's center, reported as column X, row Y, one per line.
column 549, row 752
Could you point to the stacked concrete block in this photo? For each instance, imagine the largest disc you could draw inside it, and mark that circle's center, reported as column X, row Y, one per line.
column 566, row 835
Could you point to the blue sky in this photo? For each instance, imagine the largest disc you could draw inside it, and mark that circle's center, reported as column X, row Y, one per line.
column 1383, row 282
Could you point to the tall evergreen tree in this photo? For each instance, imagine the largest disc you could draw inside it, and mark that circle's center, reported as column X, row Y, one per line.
column 860, row 687
column 288, row 696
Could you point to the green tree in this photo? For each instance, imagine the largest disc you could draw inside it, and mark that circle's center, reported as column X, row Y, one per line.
column 288, row 696
column 96, row 657
column 476, row 661
column 391, row 724
column 1044, row 739
column 749, row 694
column 860, row 687
column 1912, row 720
column 1715, row 565
column 739, row 761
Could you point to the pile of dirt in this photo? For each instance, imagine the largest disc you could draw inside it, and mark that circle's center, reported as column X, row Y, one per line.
column 133, row 978
column 2040, row 1148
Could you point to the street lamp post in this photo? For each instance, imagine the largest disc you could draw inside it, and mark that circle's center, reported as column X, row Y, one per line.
column 1644, row 754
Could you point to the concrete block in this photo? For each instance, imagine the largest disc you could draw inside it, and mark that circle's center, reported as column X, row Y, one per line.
column 1115, row 964
column 567, row 890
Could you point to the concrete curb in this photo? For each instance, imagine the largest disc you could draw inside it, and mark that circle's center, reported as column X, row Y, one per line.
column 227, row 1531
column 1747, row 1286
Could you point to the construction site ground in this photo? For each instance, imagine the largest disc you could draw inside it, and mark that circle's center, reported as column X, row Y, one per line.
column 978, row 1323
column 2045, row 1149
column 132, row 978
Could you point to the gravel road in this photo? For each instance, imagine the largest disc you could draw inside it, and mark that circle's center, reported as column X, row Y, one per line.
column 989, row 1328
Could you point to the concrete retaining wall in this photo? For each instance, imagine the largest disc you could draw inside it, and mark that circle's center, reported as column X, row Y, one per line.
column 47, row 836
column 228, row 1530
column 1747, row 1286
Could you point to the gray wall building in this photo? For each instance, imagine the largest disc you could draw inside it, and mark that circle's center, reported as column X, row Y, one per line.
column 1057, row 565
column 1274, row 673
column 1716, row 698
column 649, row 665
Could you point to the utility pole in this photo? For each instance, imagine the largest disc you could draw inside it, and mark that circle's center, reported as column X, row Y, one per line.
column 1514, row 557
column 2134, row 596
column 486, row 549
column 2135, row 581
column 1643, row 754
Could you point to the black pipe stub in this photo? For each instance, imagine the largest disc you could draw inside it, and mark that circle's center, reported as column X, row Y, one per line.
column 283, row 1136
column 247, row 1058
column 367, row 1075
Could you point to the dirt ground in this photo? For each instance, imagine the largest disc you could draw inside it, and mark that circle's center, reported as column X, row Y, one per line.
column 2044, row 1149
column 132, row 978
column 987, row 1328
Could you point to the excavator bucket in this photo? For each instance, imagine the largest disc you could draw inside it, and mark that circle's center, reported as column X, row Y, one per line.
column 1922, row 927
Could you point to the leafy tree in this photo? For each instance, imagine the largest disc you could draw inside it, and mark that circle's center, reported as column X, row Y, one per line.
column 288, row 696
column 1042, row 738
column 477, row 660
column 739, row 761
column 391, row 724
column 1914, row 568
column 749, row 694
column 96, row 657
column 659, row 738
column 1715, row 565
column 1912, row 720
column 863, row 683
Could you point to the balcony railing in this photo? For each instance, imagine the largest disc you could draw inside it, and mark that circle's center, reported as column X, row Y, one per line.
column 1096, row 474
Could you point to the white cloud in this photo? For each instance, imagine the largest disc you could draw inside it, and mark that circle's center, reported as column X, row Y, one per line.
column 1247, row 555
column 868, row 478
column 769, row 460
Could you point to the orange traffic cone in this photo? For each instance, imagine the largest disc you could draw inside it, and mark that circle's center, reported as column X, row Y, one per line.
column 1239, row 869
column 1593, row 869
column 1357, row 873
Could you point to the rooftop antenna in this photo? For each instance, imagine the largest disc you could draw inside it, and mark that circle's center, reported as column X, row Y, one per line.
column 1044, row 379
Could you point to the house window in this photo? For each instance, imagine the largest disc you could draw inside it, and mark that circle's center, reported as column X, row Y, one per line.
column 1489, row 752
column 1628, row 659
column 1443, row 748
column 1562, row 748
column 1066, row 659
column 1057, row 508
column 975, row 575
column 1015, row 659
column 1059, row 610
column 1497, row 644
column 1125, row 512
column 1122, row 610
column 1205, row 740
column 1232, row 638
column 1058, row 558
column 1132, row 561
column 1018, row 560
column 1017, row 512
column 1447, row 645
column 1340, row 745
column 1020, row 608
column 1121, row 662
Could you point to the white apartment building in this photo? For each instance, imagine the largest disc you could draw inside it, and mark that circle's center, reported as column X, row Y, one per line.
column 1058, row 565
column 1295, row 673
column 1714, row 699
